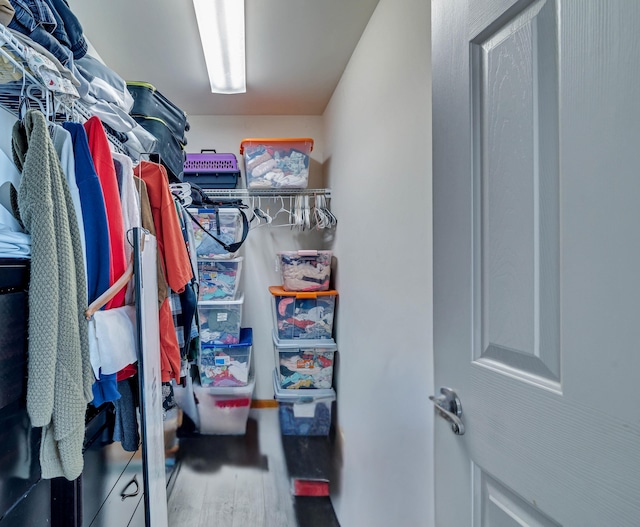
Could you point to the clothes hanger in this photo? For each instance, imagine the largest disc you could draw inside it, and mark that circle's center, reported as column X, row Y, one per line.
column 289, row 211
column 23, row 104
column 102, row 300
column 260, row 214
column 182, row 191
column 32, row 98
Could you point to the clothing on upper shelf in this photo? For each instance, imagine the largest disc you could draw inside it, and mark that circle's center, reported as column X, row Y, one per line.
column 102, row 92
column 55, row 76
column 104, row 83
column 69, row 26
column 59, row 371
column 6, row 12
column 52, row 24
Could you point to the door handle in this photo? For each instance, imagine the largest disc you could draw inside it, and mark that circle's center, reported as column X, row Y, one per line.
column 134, row 481
column 449, row 407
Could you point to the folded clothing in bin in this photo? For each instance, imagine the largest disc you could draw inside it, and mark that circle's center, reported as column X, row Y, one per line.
column 305, row 270
column 220, row 321
column 214, row 227
column 211, row 170
column 306, row 413
column 303, row 315
column 226, row 364
column 219, row 279
column 276, row 162
column 304, row 364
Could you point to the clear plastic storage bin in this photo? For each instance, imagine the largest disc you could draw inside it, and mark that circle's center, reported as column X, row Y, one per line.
column 224, row 411
column 305, row 270
column 223, row 223
column 306, row 413
column 220, row 321
column 219, row 279
column 304, row 364
column 227, row 364
column 276, row 162
column 307, row 315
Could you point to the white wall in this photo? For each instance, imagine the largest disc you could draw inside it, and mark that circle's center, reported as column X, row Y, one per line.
column 224, row 133
column 378, row 163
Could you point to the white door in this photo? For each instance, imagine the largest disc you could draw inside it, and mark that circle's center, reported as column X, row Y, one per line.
column 536, row 115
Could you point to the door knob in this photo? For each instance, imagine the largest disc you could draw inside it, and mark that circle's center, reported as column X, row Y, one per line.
column 134, row 481
column 449, row 407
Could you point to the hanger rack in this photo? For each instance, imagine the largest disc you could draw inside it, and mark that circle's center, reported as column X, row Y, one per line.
column 241, row 193
column 303, row 213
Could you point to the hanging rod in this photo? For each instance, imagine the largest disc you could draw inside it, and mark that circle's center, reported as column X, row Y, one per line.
column 240, row 193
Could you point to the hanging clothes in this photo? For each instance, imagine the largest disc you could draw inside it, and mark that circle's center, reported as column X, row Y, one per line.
column 63, row 144
column 129, row 197
column 184, row 305
column 103, row 162
column 147, row 223
column 59, row 371
column 173, row 255
column 131, row 215
column 98, row 255
column 94, row 214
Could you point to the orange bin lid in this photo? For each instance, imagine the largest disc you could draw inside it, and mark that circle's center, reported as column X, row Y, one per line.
column 278, row 290
column 275, row 141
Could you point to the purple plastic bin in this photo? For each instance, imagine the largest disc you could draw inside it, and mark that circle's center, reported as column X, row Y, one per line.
column 210, row 161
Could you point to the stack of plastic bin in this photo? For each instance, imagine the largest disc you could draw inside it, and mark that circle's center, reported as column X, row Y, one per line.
column 224, row 359
column 303, row 312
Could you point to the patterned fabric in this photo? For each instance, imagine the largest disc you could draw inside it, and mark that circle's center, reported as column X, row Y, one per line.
column 168, row 398
column 178, row 322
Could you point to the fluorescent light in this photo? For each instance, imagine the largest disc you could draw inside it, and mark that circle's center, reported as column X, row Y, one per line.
column 221, row 27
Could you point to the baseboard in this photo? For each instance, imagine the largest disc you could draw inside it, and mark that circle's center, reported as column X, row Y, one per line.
column 264, row 403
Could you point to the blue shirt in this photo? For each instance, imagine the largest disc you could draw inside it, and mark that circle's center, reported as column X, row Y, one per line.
column 96, row 229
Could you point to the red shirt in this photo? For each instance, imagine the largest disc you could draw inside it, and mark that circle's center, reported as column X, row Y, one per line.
column 103, row 161
column 173, row 256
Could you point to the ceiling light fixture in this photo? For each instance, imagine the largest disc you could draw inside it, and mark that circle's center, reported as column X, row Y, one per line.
column 221, row 27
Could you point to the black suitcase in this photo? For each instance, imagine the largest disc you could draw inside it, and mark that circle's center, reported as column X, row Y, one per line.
column 169, row 150
column 149, row 102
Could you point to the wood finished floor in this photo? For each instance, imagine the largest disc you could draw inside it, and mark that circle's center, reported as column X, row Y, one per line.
column 240, row 481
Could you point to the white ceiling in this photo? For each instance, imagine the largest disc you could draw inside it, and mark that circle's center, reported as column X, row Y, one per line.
column 296, row 51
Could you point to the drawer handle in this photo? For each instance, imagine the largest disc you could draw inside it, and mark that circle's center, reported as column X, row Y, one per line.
column 124, row 494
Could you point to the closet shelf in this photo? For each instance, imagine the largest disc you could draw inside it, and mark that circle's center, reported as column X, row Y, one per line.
column 241, row 193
